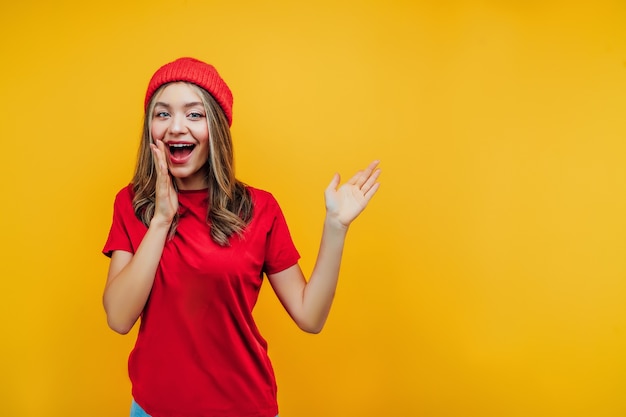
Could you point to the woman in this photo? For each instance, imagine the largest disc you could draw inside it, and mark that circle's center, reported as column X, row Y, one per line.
column 189, row 245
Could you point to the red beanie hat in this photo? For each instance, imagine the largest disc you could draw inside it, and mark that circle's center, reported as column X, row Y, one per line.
column 198, row 73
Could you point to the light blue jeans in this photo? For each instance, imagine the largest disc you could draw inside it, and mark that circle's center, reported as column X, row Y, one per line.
column 137, row 411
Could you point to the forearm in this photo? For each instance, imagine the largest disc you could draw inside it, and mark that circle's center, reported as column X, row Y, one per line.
column 319, row 292
column 127, row 291
column 309, row 302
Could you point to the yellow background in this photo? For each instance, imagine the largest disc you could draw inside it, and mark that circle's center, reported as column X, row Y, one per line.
column 487, row 278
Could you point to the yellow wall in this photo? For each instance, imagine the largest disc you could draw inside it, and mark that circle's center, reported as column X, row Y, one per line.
column 488, row 277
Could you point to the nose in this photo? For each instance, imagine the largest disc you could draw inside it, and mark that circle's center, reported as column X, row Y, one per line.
column 178, row 124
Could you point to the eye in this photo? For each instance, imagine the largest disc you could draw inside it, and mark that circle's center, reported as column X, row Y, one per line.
column 161, row 114
column 195, row 115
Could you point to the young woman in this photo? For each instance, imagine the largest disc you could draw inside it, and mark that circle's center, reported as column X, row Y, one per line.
column 189, row 246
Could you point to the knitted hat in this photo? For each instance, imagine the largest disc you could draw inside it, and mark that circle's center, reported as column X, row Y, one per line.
column 198, row 73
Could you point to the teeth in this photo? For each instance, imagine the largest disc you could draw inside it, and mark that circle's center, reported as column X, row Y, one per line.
column 180, row 145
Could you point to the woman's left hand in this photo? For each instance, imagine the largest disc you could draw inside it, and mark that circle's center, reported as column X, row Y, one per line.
column 345, row 203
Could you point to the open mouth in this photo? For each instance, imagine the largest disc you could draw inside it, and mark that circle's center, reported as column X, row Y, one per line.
column 181, row 150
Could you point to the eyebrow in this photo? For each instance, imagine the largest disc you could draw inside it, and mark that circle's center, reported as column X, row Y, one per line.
column 187, row 105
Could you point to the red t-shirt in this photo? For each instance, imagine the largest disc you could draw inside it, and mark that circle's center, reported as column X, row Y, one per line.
column 198, row 352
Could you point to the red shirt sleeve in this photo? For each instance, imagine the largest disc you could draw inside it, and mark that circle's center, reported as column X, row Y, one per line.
column 119, row 234
column 280, row 251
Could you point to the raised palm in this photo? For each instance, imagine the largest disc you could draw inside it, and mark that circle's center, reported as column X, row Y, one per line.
column 345, row 203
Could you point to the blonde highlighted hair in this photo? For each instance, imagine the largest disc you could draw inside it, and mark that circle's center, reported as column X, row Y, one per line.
column 230, row 203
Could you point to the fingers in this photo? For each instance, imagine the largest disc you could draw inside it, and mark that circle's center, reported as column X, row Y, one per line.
column 163, row 177
column 166, row 203
column 371, row 191
column 158, row 152
column 363, row 176
column 162, row 170
column 370, row 186
column 365, row 179
column 332, row 186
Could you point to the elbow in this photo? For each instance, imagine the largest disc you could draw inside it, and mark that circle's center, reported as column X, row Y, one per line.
column 312, row 330
column 310, row 322
column 116, row 323
column 311, row 327
column 118, row 327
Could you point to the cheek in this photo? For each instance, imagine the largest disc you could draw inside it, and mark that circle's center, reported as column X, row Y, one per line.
column 202, row 135
column 157, row 131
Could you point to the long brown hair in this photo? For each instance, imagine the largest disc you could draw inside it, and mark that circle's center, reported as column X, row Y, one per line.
column 230, row 203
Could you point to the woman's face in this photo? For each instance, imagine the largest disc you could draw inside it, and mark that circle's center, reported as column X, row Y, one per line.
column 179, row 120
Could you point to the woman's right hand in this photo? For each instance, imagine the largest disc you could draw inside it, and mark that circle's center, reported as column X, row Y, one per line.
column 166, row 204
